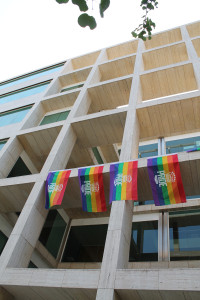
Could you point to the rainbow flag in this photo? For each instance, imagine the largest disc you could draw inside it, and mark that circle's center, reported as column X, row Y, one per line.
column 123, row 181
column 55, row 187
column 92, row 190
column 165, row 178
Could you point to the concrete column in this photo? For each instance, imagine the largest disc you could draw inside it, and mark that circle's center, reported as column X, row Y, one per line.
column 116, row 252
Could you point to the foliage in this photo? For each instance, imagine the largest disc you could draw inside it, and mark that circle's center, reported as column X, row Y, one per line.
column 144, row 29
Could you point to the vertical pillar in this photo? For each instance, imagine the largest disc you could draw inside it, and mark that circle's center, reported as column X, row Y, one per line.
column 116, row 251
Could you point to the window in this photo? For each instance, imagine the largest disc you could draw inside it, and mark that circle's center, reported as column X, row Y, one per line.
column 144, row 241
column 184, row 231
column 55, row 117
column 19, row 169
column 13, row 116
column 85, row 243
column 148, row 150
column 30, row 76
column 72, row 87
column 52, row 232
column 32, row 265
column 182, row 144
column 3, row 241
column 97, row 155
column 2, row 143
column 23, row 93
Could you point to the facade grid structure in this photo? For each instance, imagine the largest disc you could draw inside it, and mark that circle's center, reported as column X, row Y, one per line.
column 130, row 101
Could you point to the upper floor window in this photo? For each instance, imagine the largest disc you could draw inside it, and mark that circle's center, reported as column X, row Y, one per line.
column 3, row 241
column 77, row 86
column 23, row 93
column 14, row 116
column 148, row 150
column 52, row 232
column 2, row 143
column 31, row 76
column 182, row 144
column 85, row 243
column 60, row 116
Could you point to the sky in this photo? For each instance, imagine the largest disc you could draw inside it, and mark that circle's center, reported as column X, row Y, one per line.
column 38, row 33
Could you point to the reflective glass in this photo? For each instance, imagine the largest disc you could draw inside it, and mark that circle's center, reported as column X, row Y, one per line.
column 144, row 241
column 3, row 241
column 55, row 117
column 52, row 232
column 23, row 93
column 182, row 145
column 85, row 243
column 29, row 77
column 97, row 155
column 14, row 116
column 71, row 88
column 2, row 143
column 184, row 231
column 148, row 150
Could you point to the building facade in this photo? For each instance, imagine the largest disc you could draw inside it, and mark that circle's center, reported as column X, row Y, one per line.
column 131, row 101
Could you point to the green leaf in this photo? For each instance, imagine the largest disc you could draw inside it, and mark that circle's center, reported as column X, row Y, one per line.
column 81, row 3
column 104, row 4
column 62, row 1
column 86, row 20
column 134, row 34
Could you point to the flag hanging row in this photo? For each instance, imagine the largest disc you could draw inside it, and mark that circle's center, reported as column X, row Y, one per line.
column 164, row 174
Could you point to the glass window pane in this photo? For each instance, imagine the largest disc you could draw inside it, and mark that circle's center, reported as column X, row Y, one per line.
column 55, row 117
column 97, row 155
column 85, row 243
column 52, row 232
column 23, row 93
column 144, row 241
column 184, row 230
column 63, row 115
column 14, row 116
column 72, row 87
column 19, row 169
column 32, row 265
column 33, row 76
column 3, row 241
column 148, row 150
column 182, row 145
column 2, row 143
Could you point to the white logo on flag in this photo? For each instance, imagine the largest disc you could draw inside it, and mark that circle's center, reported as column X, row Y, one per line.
column 162, row 178
column 120, row 178
column 87, row 187
column 55, row 187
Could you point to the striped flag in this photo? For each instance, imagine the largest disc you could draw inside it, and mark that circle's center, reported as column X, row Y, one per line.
column 123, row 181
column 165, row 178
column 55, row 187
column 92, row 190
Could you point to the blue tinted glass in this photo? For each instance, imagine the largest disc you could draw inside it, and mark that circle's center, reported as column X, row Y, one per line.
column 148, row 150
column 29, row 77
column 185, row 236
column 144, row 241
column 13, row 117
column 182, row 145
column 23, row 93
